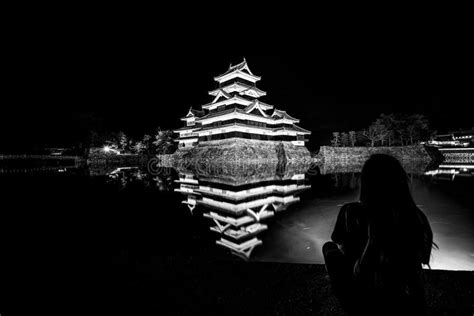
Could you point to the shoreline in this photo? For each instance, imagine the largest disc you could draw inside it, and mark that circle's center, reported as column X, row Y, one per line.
column 209, row 154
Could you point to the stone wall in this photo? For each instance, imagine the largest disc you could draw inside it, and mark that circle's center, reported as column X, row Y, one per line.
column 417, row 167
column 361, row 154
column 296, row 153
column 244, row 172
column 237, row 150
column 165, row 160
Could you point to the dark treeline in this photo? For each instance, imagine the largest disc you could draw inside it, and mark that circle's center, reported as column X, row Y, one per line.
column 158, row 142
column 387, row 130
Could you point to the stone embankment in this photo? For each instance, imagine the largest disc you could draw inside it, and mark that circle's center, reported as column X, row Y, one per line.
column 236, row 151
column 361, row 154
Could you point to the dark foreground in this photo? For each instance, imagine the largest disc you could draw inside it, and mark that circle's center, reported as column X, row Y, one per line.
column 127, row 284
column 192, row 286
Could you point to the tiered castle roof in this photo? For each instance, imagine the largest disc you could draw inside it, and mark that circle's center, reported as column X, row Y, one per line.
column 193, row 113
column 239, row 87
column 241, row 70
column 236, row 102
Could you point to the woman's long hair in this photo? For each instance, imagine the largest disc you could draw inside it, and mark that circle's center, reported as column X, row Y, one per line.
column 398, row 225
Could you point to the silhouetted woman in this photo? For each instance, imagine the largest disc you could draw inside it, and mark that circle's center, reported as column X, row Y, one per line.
column 380, row 244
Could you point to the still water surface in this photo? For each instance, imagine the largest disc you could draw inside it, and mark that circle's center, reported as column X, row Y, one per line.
column 259, row 213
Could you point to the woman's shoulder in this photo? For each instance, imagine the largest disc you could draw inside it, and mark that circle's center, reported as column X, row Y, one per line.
column 349, row 221
column 353, row 208
column 352, row 212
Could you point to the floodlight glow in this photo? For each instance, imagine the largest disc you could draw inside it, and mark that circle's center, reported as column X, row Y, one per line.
column 108, row 149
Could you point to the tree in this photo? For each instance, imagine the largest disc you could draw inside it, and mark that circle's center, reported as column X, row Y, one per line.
column 370, row 135
column 139, row 147
column 390, row 137
column 417, row 128
column 123, row 142
column 400, row 128
column 148, row 144
column 376, row 132
column 411, row 132
column 335, row 142
column 382, row 130
column 390, row 122
column 164, row 142
column 345, row 140
column 352, row 138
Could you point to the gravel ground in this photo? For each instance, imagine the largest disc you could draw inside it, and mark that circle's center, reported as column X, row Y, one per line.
column 190, row 286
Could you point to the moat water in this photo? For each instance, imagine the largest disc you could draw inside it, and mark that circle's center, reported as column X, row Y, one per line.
column 101, row 215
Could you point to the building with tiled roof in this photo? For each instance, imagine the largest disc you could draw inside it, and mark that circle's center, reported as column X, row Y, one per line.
column 237, row 112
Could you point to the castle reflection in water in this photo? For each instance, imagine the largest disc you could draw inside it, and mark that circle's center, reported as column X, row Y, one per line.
column 457, row 162
column 238, row 200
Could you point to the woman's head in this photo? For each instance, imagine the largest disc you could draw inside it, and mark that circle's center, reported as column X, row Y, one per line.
column 392, row 210
column 384, row 181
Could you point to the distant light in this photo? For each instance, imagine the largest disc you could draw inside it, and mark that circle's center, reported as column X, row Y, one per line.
column 108, row 149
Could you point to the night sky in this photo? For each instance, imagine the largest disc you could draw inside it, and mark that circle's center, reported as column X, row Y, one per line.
column 59, row 93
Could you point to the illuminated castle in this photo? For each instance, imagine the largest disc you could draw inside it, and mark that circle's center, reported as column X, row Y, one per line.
column 237, row 113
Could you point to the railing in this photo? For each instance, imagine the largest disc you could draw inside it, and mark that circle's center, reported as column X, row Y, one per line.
column 189, row 135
